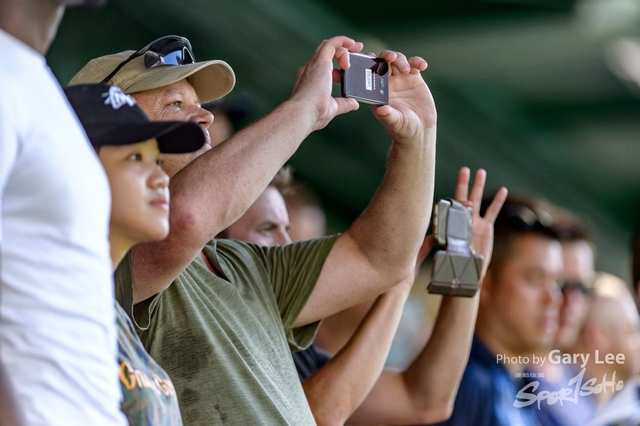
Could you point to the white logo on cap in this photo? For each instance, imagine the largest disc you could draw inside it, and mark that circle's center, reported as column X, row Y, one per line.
column 117, row 98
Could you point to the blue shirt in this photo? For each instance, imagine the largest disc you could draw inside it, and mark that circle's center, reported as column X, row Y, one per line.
column 486, row 394
column 563, row 413
column 309, row 361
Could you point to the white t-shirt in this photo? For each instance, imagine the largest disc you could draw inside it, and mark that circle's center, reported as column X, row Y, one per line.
column 57, row 322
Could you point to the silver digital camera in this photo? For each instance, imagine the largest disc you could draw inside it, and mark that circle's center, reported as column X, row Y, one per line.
column 456, row 270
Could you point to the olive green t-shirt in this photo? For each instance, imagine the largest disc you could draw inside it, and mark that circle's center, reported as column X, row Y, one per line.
column 226, row 341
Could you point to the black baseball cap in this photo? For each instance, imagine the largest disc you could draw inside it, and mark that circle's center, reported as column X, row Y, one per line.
column 111, row 117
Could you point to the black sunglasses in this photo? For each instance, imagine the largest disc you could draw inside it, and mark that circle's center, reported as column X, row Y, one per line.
column 524, row 218
column 167, row 50
column 586, row 287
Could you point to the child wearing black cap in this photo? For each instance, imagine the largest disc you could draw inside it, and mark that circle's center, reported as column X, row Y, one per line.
column 129, row 146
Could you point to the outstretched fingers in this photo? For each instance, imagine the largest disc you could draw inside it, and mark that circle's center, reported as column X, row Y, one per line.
column 478, row 189
column 462, row 185
column 496, row 204
column 474, row 198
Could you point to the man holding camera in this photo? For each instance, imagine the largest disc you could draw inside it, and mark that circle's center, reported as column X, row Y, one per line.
column 223, row 329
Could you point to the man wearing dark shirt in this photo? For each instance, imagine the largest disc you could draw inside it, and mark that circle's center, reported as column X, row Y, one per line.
column 518, row 314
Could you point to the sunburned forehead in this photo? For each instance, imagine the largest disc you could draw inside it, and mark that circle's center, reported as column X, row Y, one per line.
column 179, row 88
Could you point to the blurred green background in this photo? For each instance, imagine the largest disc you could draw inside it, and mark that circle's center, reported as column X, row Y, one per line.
column 540, row 93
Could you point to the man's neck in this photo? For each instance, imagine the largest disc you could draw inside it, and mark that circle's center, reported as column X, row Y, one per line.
column 502, row 353
column 34, row 22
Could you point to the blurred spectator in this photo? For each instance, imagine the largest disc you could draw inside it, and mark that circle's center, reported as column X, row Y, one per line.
column 306, row 214
column 57, row 330
column 578, row 259
column 222, row 315
column 266, row 222
column 231, row 113
column 578, row 253
column 518, row 315
column 623, row 408
column 611, row 327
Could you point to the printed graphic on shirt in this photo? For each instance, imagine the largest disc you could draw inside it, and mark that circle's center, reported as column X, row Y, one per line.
column 149, row 397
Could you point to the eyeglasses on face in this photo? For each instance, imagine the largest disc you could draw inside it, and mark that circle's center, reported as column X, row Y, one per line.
column 167, row 50
column 585, row 288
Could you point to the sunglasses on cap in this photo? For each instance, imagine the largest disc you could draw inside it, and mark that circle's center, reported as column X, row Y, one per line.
column 167, row 50
column 527, row 219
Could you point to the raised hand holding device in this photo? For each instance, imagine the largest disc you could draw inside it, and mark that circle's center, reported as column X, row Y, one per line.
column 366, row 80
column 456, row 270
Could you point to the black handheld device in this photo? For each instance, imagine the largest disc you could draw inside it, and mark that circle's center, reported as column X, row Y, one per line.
column 366, row 80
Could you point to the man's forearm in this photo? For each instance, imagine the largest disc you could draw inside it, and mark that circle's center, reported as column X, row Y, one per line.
column 433, row 378
column 426, row 391
column 392, row 228
column 341, row 385
column 380, row 248
column 215, row 189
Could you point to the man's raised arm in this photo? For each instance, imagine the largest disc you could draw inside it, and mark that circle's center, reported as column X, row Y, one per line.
column 426, row 391
column 217, row 188
column 380, row 248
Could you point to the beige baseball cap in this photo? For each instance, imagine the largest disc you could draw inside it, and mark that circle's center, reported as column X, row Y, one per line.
column 210, row 79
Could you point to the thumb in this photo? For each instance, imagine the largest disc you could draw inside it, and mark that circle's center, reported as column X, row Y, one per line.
column 387, row 115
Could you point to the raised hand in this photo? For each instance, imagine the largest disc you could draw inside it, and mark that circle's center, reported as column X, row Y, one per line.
column 482, row 226
column 315, row 80
column 411, row 113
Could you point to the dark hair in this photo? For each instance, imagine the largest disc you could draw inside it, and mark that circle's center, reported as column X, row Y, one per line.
column 520, row 215
column 240, row 108
column 571, row 227
column 283, row 180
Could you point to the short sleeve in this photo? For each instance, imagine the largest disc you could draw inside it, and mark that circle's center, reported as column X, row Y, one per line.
column 294, row 270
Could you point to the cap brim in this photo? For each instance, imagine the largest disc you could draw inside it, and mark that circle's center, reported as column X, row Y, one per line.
column 210, row 79
column 174, row 137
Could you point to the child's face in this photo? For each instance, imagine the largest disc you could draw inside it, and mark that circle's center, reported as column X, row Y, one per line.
column 139, row 191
